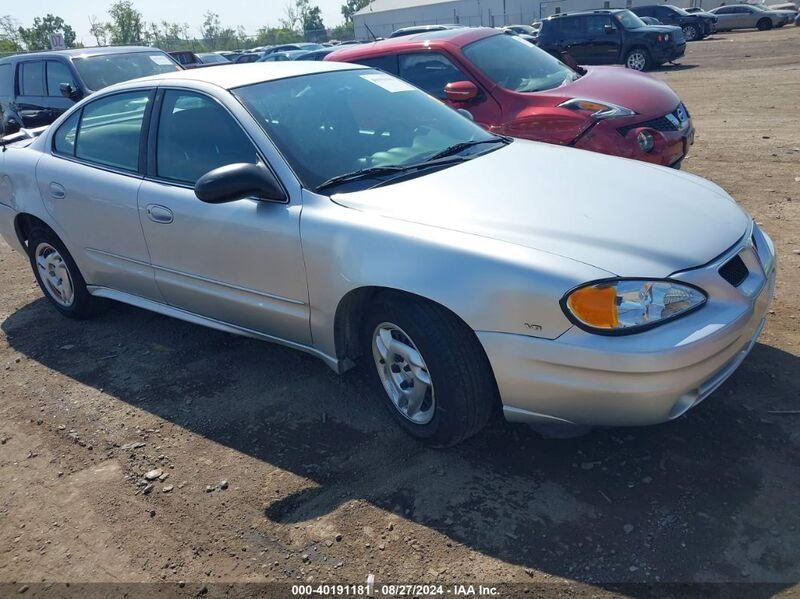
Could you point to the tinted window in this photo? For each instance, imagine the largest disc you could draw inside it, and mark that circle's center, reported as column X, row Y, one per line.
column 31, row 80
column 328, row 124
column 596, row 23
column 64, row 139
column 110, row 130
column 430, row 71
column 384, row 63
column 186, row 151
column 517, row 65
column 98, row 72
column 6, row 80
column 571, row 28
column 57, row 73
column 629, row 20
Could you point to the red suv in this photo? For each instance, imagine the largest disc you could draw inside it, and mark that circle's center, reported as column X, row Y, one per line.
column 511, row 87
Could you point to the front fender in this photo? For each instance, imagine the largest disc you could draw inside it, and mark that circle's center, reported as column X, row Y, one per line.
column 491, row 285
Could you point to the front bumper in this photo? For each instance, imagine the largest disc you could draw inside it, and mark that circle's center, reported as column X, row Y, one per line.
column 646, row 378
column 668, row 54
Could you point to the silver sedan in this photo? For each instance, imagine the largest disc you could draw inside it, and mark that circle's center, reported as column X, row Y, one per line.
column 748, row 16
column 340, row 211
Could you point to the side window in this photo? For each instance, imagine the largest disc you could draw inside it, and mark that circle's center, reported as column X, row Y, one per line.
column 430, row 72
column 31, row 78
column 6, row 81
column 595, row 24
column 185, row 151
column 384, row 63
column 57, row 73
column 64, row 139
column 572, row 28
column 111, row 128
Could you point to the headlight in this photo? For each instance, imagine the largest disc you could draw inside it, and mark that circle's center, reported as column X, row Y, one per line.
column 598, row 110
column 624, row 306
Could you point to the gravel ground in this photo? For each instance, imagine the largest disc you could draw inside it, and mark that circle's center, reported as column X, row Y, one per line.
column 268, row 467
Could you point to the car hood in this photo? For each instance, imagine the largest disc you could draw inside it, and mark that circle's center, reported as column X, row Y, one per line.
column 626, row 217
column 640, row 92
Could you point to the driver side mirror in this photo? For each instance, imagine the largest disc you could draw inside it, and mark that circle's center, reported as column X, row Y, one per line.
column 461, row 91
column 70, row 92
column 238, row 181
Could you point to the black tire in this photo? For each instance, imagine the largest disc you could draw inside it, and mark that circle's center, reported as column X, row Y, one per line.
column 638, row 65
column 691, row 33
column 83, row 305
column 764, row 24
column 465, row 394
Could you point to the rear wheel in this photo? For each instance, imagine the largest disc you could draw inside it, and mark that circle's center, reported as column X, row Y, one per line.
column 690, row 32
column 764, row 24
column 638, row 59
column 429, row 368
column 58, row 276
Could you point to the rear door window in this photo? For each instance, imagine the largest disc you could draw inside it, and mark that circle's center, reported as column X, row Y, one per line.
column 384, row 63
column 6, row 81
column 110, row 130
column 31, row 78
column 430, row 71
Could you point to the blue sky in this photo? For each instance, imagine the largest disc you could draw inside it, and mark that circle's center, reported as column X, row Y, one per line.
column 248, row 13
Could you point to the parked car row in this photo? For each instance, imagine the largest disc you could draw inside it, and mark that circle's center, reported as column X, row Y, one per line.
column 337, row 209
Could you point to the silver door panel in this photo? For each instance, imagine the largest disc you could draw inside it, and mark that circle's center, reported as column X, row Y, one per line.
column 239, row 263
column 97, row 208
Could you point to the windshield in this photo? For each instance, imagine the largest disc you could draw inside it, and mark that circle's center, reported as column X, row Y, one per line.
column 98, row 72
column 758, row 8
column 330, row 124
column 629, row 20
column 516, row 64
column 212, row 58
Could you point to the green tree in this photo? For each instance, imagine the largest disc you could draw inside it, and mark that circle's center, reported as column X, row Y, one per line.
column 313, row 27
column 351, row 7
column 342, row 32
column 9, row 35
column 168, row 36
column 99, row 31
column 126, row 26
column 37, row 37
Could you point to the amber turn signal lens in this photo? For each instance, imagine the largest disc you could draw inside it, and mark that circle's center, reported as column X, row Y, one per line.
column 595, row 305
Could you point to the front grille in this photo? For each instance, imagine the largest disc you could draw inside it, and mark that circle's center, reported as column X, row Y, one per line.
column 673, row 121
column 734, row 271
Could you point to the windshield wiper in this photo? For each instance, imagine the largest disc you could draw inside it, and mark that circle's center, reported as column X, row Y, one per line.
column 377, row 171
column 460, row 147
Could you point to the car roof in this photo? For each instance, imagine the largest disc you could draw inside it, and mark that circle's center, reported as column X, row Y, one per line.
column 238, row 75
column 580, row 13
column 84, row 52
column 430, row 39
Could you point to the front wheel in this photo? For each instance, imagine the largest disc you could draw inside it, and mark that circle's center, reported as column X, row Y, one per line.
column 764, row 25
column 429, row 368
column 690, row 33
column 638, row 59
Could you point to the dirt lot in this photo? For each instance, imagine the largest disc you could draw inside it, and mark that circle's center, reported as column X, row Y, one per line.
column 321, row 486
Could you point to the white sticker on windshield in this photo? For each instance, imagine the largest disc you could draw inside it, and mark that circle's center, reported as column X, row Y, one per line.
column 389, row 83
column 160, row 59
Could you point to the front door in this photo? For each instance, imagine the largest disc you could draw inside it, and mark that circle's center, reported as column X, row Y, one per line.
column 603, row 39
column 432, row 71
column 240, row 262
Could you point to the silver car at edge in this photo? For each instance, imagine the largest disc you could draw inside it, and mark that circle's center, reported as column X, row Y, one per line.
column 340, row 211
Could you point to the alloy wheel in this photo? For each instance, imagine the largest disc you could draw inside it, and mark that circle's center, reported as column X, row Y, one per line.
column 54, row 274
column 403, row 373
column 636, row 60
column 690, row 33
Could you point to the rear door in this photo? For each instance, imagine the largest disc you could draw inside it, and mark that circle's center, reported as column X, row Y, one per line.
column 32, row 102
column 432, row 71
column 240, row 262
column 6, row 92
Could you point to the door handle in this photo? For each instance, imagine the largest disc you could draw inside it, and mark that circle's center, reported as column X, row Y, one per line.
column 160, row 214
column 57, row 191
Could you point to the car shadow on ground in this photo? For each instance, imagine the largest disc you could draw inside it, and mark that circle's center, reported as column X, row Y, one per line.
column 710, row 497
column 672, row 67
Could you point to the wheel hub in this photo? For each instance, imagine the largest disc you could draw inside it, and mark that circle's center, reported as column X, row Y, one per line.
column 403, row 373
column 54, row 274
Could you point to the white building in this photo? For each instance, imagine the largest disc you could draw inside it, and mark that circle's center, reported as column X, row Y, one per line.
column 384, row 16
